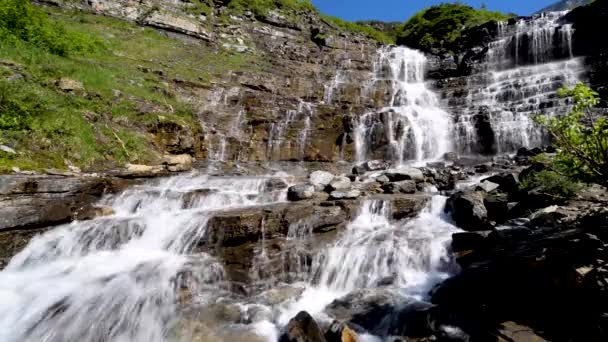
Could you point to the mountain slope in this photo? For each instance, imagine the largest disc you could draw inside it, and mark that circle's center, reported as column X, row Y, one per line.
column 564, row 5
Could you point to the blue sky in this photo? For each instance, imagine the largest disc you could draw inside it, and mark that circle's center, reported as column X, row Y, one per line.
column 401, row 10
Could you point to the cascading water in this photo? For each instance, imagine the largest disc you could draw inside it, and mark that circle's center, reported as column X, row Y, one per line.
column 117, row 278
column 524, row 67
column 411, row 126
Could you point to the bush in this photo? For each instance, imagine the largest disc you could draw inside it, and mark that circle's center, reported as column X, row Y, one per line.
column 439, row 27
column 581, row 137
column 552, row 182
column 22, row 22
column 359, row 28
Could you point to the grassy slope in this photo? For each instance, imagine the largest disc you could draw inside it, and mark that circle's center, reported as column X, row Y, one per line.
column 102, row 126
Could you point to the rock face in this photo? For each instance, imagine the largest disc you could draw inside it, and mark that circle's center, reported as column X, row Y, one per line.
column 39, row 201
column 549, row 276
column 300, row 192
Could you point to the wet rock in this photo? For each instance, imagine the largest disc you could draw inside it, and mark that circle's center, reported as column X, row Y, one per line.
column 450, row 156
column 275, row 184
column 405, row 174
column 407, row 206
column 178, row 163
column 371, row 165
column 468, row 210
column 300, row 192
column 340, row 184
column 436, row 165
column 381, row 312
column 91, row 212
column 482, row 168
column 405, row 187
column 487, row 186
column 382, row 179
column 376, row 165
column 320, row 179
column 302, row 328
column 348, row 194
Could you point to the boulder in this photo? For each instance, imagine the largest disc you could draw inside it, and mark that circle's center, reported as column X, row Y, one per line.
column 339, row 184
column 409, row 173
column 320, row 179
column 468, row 210
column 497, row 207
column 302, row 328
column 345, row 194
column 406, row 187
column 506, row 182
column 408, row 206
column 300, row 192
column 487, row 186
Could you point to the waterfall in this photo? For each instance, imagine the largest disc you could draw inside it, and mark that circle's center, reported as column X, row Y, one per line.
column 411, row 125
column 119, row 278
column 411, row 256
column 524, row 67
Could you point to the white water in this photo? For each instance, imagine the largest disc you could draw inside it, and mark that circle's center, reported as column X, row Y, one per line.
column 412, row 126
column 117, row 278
column 525, row 66
column 413, row 254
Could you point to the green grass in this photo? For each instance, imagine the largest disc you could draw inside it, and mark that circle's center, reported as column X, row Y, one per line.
column 368, row 31
column 262, row 7
column 101, row 126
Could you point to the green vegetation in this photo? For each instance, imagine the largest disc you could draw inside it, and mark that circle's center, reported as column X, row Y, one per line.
column 262, row 7
column 554, row 183
column 22, row 22
column 438, row 28
column 127, row 78
column 581, row 137
column 369, row 31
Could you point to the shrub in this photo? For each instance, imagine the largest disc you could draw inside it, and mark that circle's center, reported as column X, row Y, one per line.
column 439, row 27
column 552, row 182
column 581, row 137
column 13, row 114
column 22, row 22
column 359, row 28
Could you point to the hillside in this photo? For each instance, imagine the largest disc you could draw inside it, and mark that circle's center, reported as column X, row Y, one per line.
column 564, row 5
column 141, row 87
